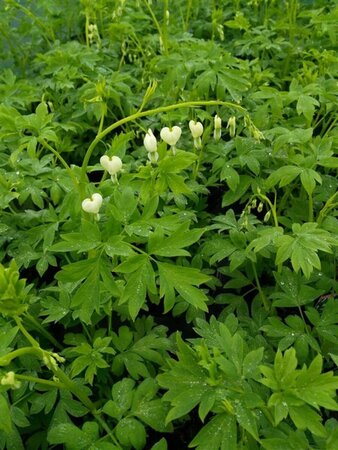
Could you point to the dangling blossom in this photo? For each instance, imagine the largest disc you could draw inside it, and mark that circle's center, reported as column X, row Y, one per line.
column 217, row 128
column 92, row 205
column 171, row 136
column 150, row 144
column 196, row 129
column 112, row 165
column 232, row 126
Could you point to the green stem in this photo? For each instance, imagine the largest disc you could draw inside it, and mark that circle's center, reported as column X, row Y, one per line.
column 187, row 19
column 310, row 218
column 198, row 163
column 7, row 359
column 23, row 330
column 151, row 112
column 272, row 208
column 103, row 114
column 163, row 39
column 39, row 381
column 44, row 332
column 60, row 158
column 260, row 290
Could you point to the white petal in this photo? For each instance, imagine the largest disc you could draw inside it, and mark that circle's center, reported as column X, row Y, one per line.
column 196, row 129
column 171, row 135
column 150, row 142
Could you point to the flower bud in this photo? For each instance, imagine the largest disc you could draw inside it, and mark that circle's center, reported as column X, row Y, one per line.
column 217, row 128
column 196, row 129
column 93, row 204
column 111, row 165
column 232, row 126
column 267, row 216
column 171, row 135
column 260, row 207
column 9, row 380
column 150, row 142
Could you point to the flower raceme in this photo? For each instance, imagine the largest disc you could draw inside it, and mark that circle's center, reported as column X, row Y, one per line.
column 93, row 204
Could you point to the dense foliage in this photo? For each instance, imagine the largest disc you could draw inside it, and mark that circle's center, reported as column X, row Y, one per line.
column 168, row 218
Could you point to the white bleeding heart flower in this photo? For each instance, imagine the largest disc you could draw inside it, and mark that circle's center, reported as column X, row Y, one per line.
column 196, row 129
column 150, row 142
column 111, row 165
column 171, row 135
column 93, row 204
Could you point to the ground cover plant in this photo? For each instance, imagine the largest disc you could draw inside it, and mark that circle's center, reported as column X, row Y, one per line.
column 168, row 224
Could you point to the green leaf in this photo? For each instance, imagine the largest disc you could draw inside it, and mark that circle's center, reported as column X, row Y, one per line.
column 130, row 431
column 305, row 417
column 183, row 280
column 135, row 290
column 206, row 404
column 160, row 445
column 5, row 422
column 116, row 246
column 87, row 298
column 71, row 436
column 306, row 106
column 246, row 419
column 231, row 197
column 308, row 178
column 220, row 433
column 172, row 245
column 185, row 381
column 284, row 175
column 231, row 176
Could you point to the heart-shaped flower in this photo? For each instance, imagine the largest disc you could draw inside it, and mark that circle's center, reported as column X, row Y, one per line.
column 93, row 204
column 150, row 142
column 196, row 129
column 111, row 165
column 171, row 135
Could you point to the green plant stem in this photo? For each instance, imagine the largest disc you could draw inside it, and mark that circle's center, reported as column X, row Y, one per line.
column 272, row 208
column 43, row 331
column 39, row 381
column 151, row 112
column 103, row 114
column 27, row 335
column 310, row 218
column 198, row 163
column 260, row 290
column 7, row 359
column 163, row 37
column 187, row 17
column 61, row 159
